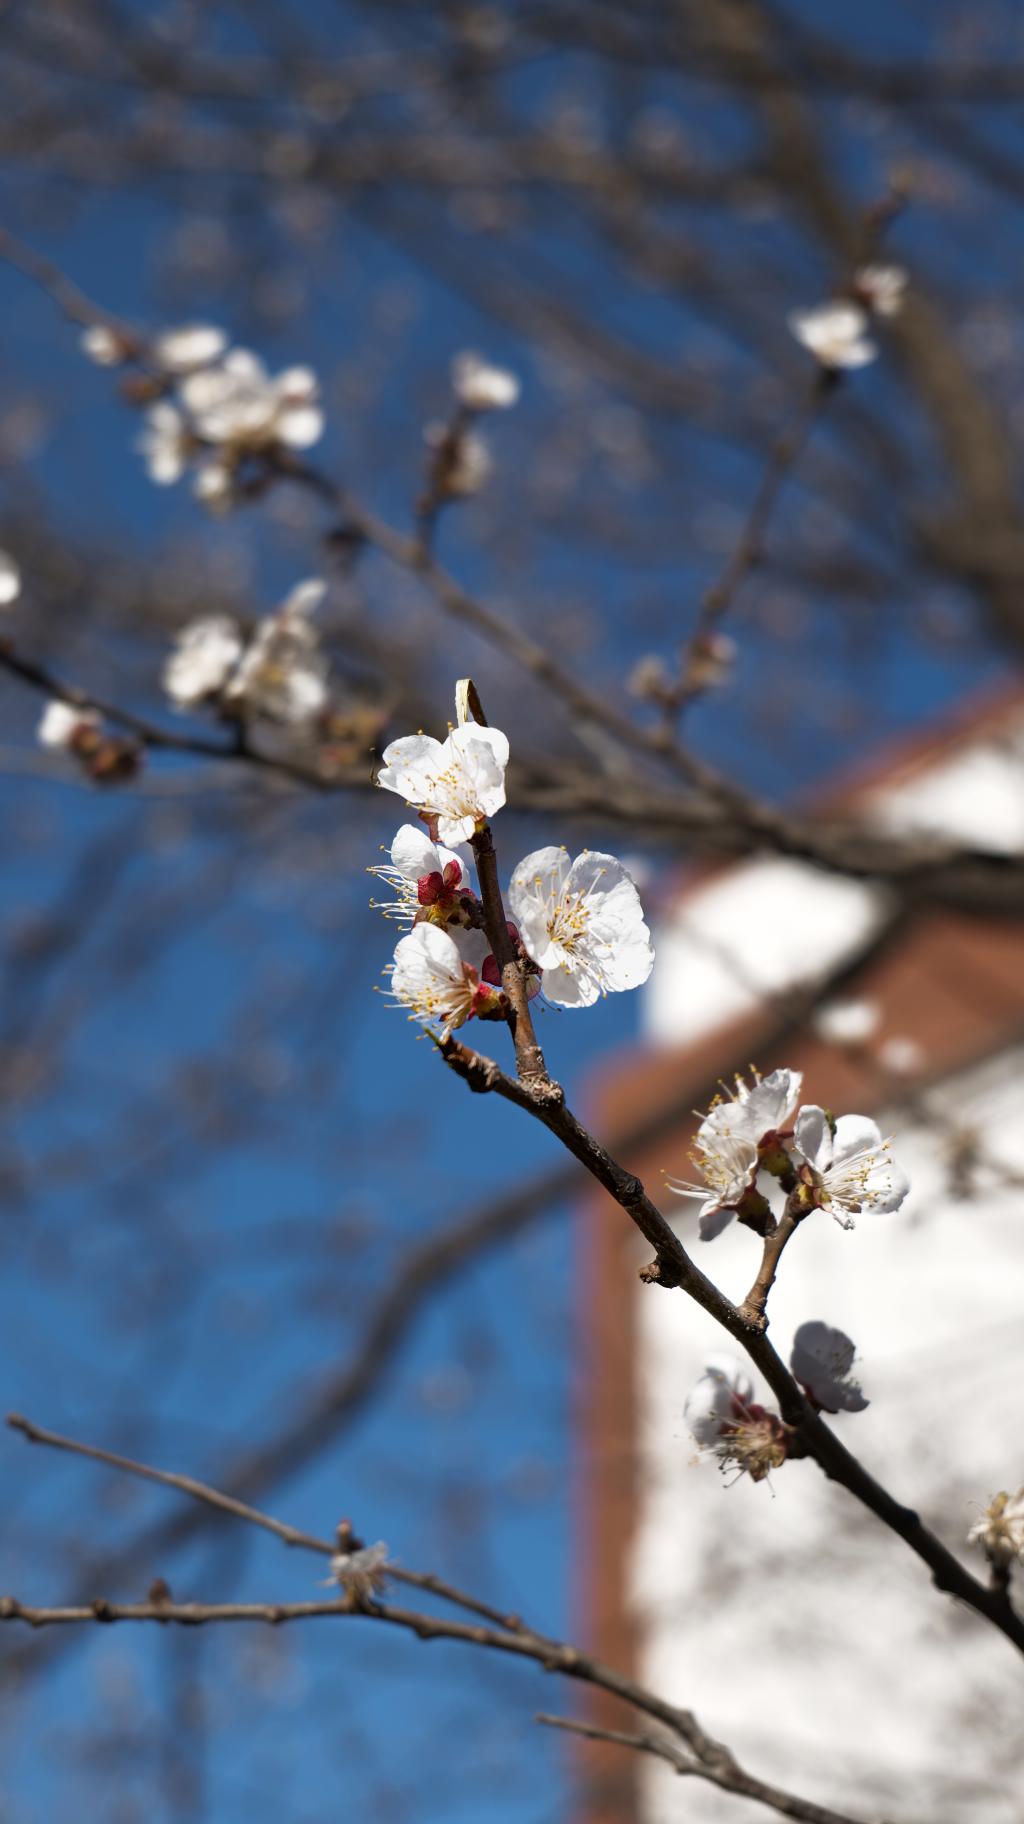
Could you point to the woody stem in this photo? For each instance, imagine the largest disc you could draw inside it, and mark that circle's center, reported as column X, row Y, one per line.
column 529, row 1057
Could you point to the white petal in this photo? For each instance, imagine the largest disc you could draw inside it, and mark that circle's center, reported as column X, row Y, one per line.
column 10, row 580
column 413, row 853
column 300, row 426
column 814, row 1137
column 305, row 598
column 190, row 346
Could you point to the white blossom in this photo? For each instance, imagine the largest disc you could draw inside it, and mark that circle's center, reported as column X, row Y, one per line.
column 102, row 345
column 727, row 1422
column 1000, row 1531
column 282, row 674
column 189, row 347
column 165, row 442
column 835, row 334
column 822, row 1360
column 714, row 1401
column 728, row 1143
column 850, row 1164
column 423, row 875
column 582, row 923
column 10, row 580
column 482, row 387
column 60, row 722
column 237, row 403
column 205, row 655
column 847, row 1022
column 436, row 975
column 882, row 288
column 362, row 1572
column 901, row 1055
column 459, row 782
column 212, row 484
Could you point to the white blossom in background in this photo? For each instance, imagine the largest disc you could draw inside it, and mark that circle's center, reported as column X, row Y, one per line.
column 729, row 1142
column 238, row 404
column 847, row 1022
column 849, row 1164
column 282, row 675
column 165, row 442
column 10, row 580
column 1000, row 1531
column 482, row 387
column 456, row 784
column 835, row 334
column 437, row 976
column 582, row 923
column 189, row 347
column 822, row 1361
column 902, row 1056
column 212, row 484
column 60, row 723
column 882, row 288
column 425, row 877
column 726, row 1421
column 102, row 345
column 204, row 657
column 362, row 1572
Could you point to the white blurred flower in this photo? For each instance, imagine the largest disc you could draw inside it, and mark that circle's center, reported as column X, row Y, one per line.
column 426, row 878
column 60, row 723
column 847, row 1022
column 213, row 485
column 189, row 347
column 102, row 345
column 582, row 923
column 237, row 403
column 902, row 1056
column 10, row 580
column 1000, row 1531
column 822, row 1360
column 882, row 288
column 165, row 442
column 437, row 976
column 362, row 1572
column 282, row 674
column 206, row 653
column 728, row 1144
column 727, row 1422
column 850, row 1165
column 835, row 334
column 457, row 783
column 482, row 387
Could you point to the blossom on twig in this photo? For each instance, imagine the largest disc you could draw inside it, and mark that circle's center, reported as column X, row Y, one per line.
column 881, row 289
column 835, row 334
column 282, row 674
column 462, row 463
column 582, row 924
column 822, row 1360
column 456, row 784
column 728, row 1423
column 61, row 725
column 739, row 1131
column 438, row 976
column 165, row 442
column 480, row 386
column 189, row 347
column 429, row 881
column 846, row 1166
column 205, row 655
column 362, row 1571
column 1000, row 1531
column 242, row 407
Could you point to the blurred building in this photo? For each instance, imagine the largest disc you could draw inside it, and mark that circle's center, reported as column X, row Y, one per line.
column 802, row 1633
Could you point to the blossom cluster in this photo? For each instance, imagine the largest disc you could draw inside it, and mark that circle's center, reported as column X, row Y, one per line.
column 460, row 462
column 577, row 926
column 744, row 1435
column 278, row 672
column 843, row 1166
column 212, row 408
column 837, row 333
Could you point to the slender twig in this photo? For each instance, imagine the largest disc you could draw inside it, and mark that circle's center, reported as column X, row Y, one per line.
column 753, row 1306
